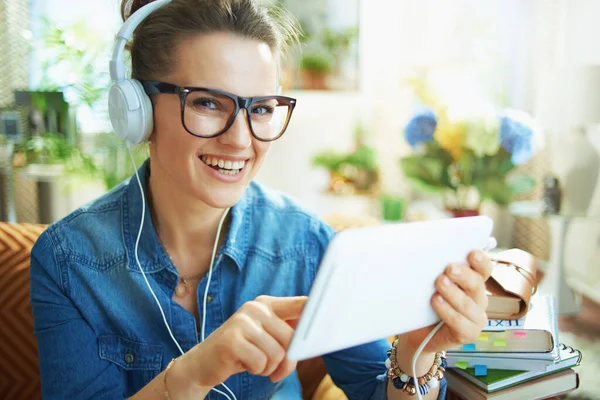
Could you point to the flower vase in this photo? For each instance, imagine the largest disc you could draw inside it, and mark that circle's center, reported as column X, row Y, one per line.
column 459, row 213
column 463, row 202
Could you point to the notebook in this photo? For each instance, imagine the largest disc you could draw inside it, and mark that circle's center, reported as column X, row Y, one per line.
column 536, row 332
column 555, row 384
column 511, row 285
column 506, row 362
column 497, row 379
column 500, row 303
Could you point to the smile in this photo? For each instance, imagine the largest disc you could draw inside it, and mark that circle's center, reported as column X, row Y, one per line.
column 225, row 167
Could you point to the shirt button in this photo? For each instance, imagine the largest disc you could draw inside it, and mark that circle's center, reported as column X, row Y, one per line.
column 210, row 298
column 129, row 358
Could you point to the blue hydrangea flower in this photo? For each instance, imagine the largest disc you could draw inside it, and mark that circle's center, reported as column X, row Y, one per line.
column 420, row 128
column 516, row 136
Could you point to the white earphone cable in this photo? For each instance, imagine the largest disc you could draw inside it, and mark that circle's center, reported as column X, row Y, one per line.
column 491, row 245
column 137, row 242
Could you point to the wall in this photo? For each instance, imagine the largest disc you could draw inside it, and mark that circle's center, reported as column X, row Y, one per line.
column 14, row 44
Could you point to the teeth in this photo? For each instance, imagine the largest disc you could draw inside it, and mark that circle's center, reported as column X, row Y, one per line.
column 229, row 172
column 227, row 165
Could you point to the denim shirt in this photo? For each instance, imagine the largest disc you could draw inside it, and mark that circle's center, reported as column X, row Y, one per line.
column 100, row 334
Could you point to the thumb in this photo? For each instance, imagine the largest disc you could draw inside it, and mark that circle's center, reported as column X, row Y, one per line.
column 288, row 308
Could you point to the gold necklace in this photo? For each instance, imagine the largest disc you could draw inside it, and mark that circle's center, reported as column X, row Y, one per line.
column 182, row 289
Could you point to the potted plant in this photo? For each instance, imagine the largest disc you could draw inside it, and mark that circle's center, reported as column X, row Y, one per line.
column 470, row 159
column 355, row 172
column 315, row 68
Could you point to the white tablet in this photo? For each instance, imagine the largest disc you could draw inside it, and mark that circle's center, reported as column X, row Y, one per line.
column 377, row 282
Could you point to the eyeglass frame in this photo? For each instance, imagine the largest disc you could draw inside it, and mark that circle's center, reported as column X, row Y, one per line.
column 156, row 87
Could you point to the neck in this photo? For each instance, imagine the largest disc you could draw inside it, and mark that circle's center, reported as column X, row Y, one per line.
column 186, row 226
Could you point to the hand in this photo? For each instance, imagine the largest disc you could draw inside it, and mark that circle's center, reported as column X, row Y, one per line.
column 254, row 339
column 460, row 301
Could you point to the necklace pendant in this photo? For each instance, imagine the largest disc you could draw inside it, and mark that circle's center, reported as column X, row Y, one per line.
column 181, row 290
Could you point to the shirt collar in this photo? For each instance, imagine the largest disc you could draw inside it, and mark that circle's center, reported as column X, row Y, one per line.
column 151, row 255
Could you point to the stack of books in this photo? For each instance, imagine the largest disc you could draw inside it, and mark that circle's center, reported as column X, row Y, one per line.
column 516, row 359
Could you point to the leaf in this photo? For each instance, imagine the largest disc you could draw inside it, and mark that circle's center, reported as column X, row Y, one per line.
column 427, row 169
column 505, row 164
column 423, row 187
column 521, row 184
column 496, row 189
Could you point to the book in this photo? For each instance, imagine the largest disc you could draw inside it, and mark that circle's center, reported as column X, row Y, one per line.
column 501, row 303
column 536, row 332
column 544, row 387
column 507, row 362
column 511, row 285
column 497, row 379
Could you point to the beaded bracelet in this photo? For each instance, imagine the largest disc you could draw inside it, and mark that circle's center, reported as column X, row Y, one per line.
column 406, row 383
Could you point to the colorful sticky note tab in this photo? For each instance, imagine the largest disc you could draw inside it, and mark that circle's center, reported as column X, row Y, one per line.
column 480, row 370
column 483, row 337
column 469, row 347
column 462, row 364
column 500, row 343
column 519, row 333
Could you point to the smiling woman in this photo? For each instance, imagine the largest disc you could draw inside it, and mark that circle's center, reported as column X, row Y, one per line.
column 188, row 279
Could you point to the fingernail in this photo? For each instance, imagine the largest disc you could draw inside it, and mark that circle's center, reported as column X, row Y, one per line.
column 445, row 281
column 440, row 299
column 478, row 257
column 455, row 270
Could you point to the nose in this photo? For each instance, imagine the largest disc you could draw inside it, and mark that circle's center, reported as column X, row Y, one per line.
column 238, row 136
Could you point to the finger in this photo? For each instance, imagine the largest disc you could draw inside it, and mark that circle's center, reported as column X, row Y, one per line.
column 468, row 280
column 463, row 329
column 481, row 263
column 458, row 299
column 285, row 368
column 287, row 308
column 273, row 351
column 280, row 330
column 250, row 356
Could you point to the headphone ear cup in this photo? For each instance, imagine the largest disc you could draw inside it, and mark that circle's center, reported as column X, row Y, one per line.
column 130, row 111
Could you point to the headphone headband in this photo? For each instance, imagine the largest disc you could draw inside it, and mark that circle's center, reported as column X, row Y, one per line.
column 117, row 67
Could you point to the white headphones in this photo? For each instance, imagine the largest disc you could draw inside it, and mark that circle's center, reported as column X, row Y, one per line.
column 129, row 106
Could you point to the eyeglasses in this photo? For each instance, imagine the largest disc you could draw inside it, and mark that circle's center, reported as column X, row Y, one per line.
column 208, row 113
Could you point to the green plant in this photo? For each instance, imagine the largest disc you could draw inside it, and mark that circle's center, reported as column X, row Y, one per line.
column 358, row 167
column 338, row 43
column 70, row 62
column 470, row 159
column 317, row 62
column 54, row 148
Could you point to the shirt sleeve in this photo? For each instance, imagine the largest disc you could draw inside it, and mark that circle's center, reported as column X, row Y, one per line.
column 360, row 371
column 67, row 346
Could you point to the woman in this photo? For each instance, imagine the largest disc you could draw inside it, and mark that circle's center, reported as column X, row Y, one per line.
column 99, row 332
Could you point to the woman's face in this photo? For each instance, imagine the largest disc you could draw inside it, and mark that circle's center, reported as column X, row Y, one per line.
column 225, row 62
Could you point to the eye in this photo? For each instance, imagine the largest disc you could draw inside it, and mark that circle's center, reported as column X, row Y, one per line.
column 263, row 109
column 205, row 103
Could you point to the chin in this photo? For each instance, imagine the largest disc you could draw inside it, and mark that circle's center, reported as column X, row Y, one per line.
column 222, row 197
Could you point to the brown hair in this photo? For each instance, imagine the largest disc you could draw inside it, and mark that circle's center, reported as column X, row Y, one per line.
column 156, row 39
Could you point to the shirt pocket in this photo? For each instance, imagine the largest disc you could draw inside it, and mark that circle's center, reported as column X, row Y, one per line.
column 138, row 362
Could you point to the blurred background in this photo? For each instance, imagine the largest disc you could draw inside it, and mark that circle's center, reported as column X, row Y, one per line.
column 407, row 110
